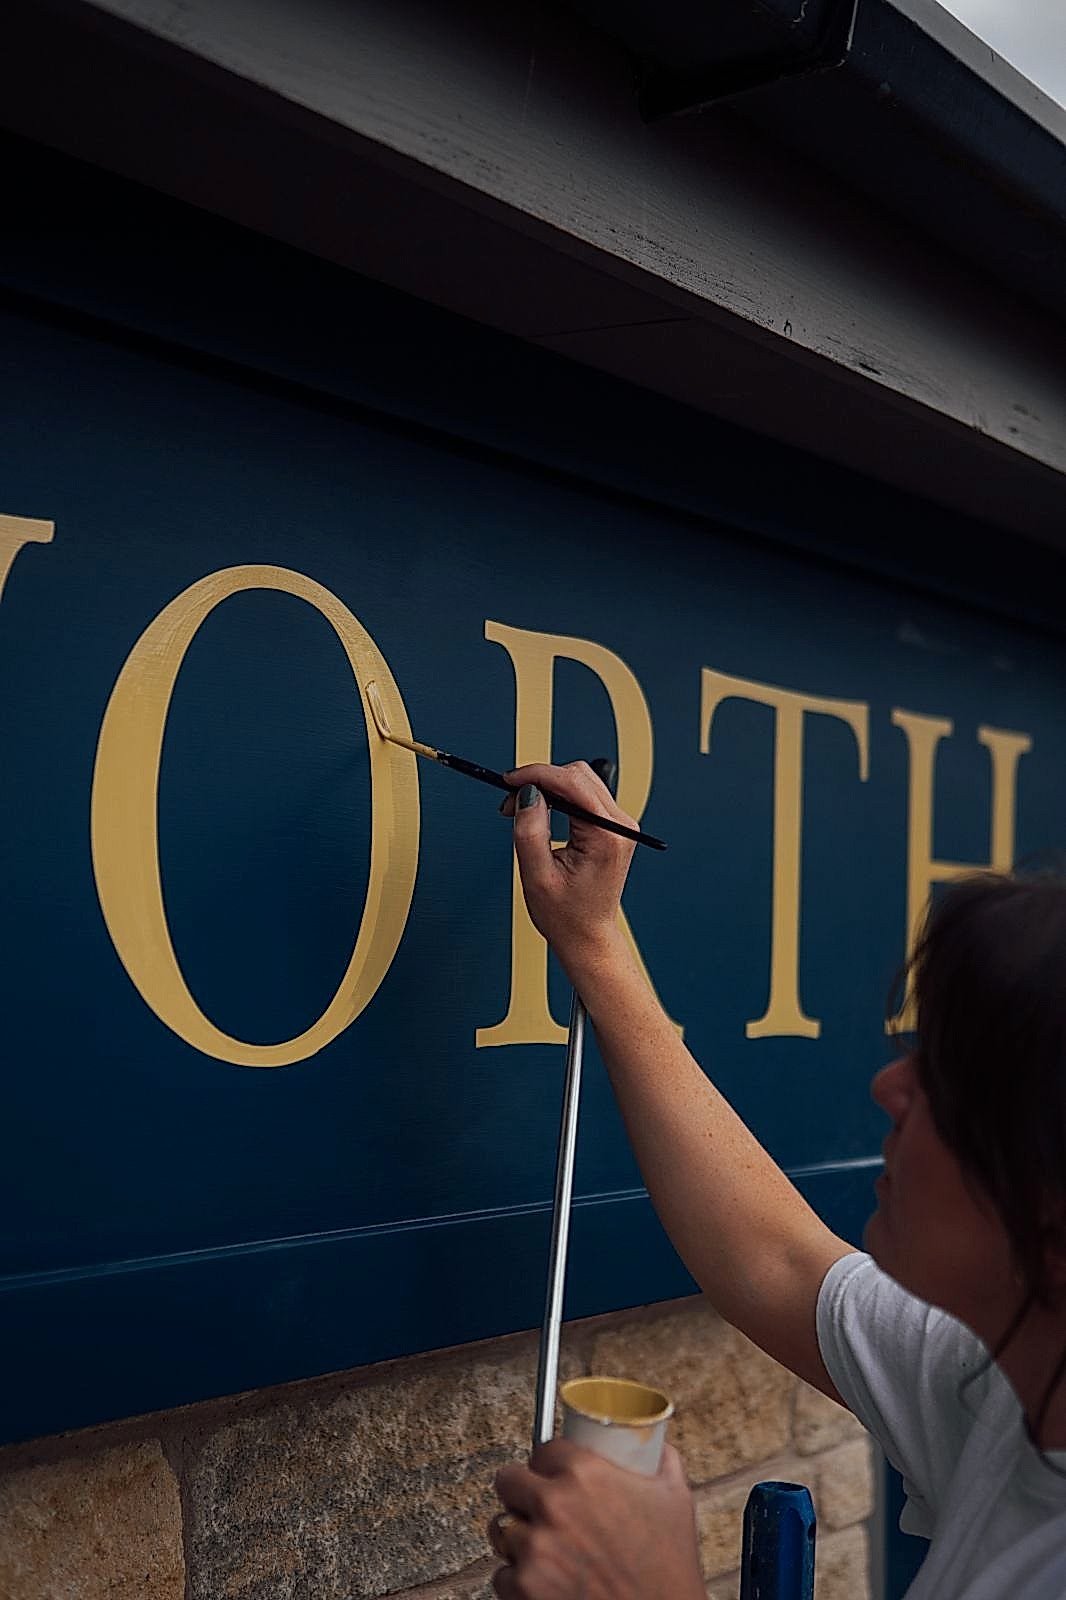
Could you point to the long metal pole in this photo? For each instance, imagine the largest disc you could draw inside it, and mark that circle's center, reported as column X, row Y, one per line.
column 551, row 1328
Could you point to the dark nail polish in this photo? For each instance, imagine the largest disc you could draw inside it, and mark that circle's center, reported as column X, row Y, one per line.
column 528, row 796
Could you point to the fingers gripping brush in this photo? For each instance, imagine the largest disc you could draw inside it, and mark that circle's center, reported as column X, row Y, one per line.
column 551, row 1327
column 471, row 769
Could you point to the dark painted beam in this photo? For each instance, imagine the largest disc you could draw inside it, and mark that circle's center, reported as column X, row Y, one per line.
column 897, row 98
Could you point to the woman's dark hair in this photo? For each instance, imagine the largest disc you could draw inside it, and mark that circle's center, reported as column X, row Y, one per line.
column 988, row 978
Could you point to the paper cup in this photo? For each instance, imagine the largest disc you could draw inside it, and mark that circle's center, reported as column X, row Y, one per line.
column 622, row 1421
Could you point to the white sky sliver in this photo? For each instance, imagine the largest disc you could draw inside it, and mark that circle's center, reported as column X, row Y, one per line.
column 1030, row 34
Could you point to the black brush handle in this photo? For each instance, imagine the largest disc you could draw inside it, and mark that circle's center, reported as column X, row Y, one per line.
column 554, row 801
column 606, row 823
column 472, row 770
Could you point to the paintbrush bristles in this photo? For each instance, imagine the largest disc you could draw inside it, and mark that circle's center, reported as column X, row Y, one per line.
column 377, row 710
column 381, row 722
column 497, row 779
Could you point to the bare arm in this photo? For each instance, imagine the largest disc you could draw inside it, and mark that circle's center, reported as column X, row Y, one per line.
column 746, row 1234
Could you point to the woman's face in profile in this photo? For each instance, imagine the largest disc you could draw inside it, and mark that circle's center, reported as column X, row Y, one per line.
column 933, row 1231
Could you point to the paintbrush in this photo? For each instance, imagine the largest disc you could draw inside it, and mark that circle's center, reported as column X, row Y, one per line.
column 497, row 779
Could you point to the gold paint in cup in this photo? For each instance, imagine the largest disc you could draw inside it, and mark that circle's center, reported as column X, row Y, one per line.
column 622, row 1421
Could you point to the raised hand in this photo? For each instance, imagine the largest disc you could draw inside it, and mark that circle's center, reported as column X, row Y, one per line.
column 573, row 893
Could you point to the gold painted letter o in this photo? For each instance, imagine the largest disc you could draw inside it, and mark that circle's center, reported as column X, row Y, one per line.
column 125, row 824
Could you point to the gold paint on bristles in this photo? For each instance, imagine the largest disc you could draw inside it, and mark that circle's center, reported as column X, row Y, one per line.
column 381, row 722
column 373, row 695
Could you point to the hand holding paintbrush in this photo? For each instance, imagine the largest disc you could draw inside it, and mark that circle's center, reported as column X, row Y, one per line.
column 554, row 801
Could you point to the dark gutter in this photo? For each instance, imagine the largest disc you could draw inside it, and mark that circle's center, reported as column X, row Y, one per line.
column 693, row 54
column 894, row 96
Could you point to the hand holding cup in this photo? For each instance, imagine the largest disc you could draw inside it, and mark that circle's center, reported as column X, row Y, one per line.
column 603, row 1513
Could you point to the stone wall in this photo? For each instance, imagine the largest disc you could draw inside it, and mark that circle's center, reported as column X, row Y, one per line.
column 379, row 1481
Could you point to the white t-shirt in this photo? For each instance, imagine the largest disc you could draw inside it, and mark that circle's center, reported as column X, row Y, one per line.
column 996, row 1515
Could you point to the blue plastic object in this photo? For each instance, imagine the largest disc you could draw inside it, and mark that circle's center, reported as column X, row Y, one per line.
column 779, row 1532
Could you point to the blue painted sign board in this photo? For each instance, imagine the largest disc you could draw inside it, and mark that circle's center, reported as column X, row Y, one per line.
column 179, row 1223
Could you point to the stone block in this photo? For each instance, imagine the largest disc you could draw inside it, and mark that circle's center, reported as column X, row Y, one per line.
column 726, row 1588
column 719, row 1522
column 842, row 1566
column 819, row 1422
column 845, row 1484
column 473, row 1584
column 102, row 1525
column 732, row 1402
column 338, row 1494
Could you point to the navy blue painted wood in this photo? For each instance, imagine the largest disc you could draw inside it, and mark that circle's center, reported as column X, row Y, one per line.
column 174, row 1227
column 113, row 1341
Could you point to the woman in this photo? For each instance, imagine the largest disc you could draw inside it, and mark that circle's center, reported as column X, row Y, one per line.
column 947, row 1339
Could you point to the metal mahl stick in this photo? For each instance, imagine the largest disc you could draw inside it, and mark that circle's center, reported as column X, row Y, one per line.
column 548, row 1360
column 551, row 1327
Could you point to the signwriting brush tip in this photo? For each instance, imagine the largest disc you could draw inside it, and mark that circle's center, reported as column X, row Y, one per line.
column 377, row 710
column 381, row 722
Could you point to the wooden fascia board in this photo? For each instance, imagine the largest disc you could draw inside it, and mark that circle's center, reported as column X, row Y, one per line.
column 520, row 128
